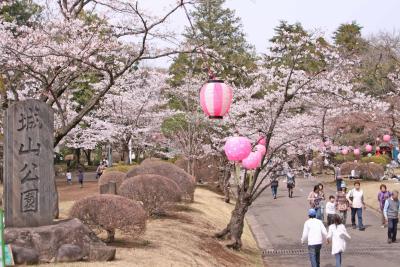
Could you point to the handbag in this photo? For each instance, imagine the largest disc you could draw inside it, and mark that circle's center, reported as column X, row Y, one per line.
column 351, row 197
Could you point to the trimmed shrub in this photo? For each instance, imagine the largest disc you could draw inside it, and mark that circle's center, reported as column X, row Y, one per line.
column 109, row 213
column 185, row 181
column 345, row 168
column 381, row 159
column 154, row 191
column 120, row 168
column 116, row 176
column 339, row 158
column 370, row 171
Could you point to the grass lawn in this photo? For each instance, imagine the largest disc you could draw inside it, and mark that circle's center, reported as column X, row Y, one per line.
column 183, row 238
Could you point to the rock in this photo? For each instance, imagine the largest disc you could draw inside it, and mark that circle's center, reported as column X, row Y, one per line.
column 69, row 253
column 24, row 255
column 101, row 253
column 47, row 240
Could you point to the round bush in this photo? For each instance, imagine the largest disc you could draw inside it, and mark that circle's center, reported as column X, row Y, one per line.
column 370, row 171
column 185, row 181
column 116, row 176
column 381, row 159
column 347, row 167
column 109, row 213
column 154, row 191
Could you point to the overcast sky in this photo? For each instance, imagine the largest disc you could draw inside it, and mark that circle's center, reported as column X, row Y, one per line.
column 259, row 17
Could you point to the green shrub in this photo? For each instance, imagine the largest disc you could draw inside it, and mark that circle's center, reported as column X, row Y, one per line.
column 340, row 158
column 120, row 167
column 381, row 159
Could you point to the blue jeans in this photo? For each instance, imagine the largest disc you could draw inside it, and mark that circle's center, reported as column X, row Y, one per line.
column 339, row 184
column 274, row 190
column 319, row 213
column 314, row 252
column 392, row 229
column 338, row 257
column 357, row 211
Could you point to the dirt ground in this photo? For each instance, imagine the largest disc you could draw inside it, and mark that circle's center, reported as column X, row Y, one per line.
column 183, row 238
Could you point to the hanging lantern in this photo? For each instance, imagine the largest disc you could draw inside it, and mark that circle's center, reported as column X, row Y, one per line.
column 356, row 151
column 252, row 161
column 261, row 149
column 386, row 138
column 378, row 149
column 368, row 148
column 262, row 141
column 215, row 99
column 345, row 151
column 237, row 148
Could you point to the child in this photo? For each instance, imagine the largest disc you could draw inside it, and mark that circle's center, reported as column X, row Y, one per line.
column 80, row 177
column 342, row 204
column 337, row 233
column 69, row 177
column 331, row 209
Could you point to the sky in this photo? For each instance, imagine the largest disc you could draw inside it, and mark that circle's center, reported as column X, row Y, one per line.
column 259, row 17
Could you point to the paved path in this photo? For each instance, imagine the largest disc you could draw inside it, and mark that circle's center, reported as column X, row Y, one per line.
column 278, row 225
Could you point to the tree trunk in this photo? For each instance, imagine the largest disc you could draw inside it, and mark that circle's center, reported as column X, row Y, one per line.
column 88, row 154
column 78, row 156
column 234, row 229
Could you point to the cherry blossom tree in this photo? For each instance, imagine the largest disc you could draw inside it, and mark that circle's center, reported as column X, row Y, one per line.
column 83, row 45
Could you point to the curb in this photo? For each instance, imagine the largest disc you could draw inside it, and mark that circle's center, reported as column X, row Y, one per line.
column 262, row 240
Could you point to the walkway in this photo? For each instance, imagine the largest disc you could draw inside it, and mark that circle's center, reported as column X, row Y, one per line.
column 278, row 225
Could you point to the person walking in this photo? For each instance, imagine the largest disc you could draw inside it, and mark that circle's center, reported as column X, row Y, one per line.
column 80, row 176
column 274, row 187
column 391, row 212
column 383, row 195
column 69, row 177
column 356, row 199
column 338, row 177
column 314, row 233
column 330, row 210
column 290, row 182
column 337, row 234
column 322, row 202
column 99, row 170
column 315, row 201
column 342, row 204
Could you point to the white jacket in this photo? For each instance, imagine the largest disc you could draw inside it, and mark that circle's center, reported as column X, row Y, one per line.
column 314, row 232
column 338, row 234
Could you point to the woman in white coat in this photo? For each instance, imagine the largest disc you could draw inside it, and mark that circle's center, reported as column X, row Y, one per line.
column 337, row 234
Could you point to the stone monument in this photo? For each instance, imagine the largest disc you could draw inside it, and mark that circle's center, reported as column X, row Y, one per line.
column 28, row 164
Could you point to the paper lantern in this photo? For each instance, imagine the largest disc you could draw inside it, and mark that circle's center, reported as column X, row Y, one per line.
column 345, row 151
column 261, row 149
column 386, row 138
column 215, row 99
column 368, row 148
column 378, row 148
column 252, row 161
column 262, row 141
column 237, row 148
column 356, row 151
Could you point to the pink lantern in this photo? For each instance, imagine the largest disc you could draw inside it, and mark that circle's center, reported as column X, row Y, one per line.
column 252, row 161
column 261, row 149
column 262, row 141
column 386, row 138
column 345, row 151
column 356, row 151
column 237, row 148
column 378, row 148
column 215, row 98
column 368, row 148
